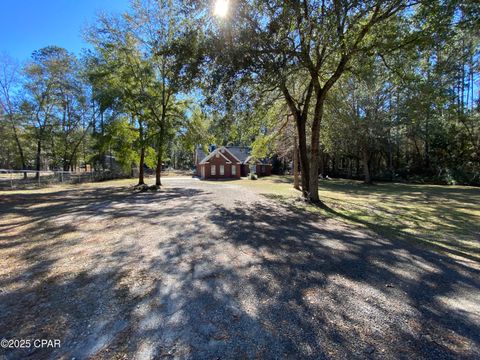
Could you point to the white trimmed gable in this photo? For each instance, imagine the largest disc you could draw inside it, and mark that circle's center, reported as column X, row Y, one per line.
column 218, row 152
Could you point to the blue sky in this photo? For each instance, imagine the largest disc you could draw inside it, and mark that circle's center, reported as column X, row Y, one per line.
column 28, row 25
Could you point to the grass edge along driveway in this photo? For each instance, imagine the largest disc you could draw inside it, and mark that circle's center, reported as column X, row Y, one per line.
column 444, row 218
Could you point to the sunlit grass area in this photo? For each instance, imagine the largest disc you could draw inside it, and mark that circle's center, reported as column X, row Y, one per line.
column 445, row 217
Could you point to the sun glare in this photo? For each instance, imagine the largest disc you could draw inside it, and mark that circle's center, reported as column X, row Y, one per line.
column 221, row 8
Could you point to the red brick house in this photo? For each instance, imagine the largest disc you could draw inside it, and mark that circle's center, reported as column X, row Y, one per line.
column 228, row 162
column 261, row 168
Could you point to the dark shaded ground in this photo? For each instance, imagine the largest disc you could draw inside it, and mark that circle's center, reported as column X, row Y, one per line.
column 202, row 270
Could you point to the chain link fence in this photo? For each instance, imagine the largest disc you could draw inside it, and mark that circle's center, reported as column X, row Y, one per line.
column 24, row 179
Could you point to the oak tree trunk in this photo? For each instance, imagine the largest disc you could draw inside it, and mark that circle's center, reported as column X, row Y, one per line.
column 296, row 180
column 314, row 151
column 302, row 145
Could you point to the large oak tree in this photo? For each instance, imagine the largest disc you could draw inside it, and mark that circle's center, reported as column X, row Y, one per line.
column 275, row 43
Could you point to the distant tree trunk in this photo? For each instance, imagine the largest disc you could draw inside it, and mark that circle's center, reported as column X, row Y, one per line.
column 296, row 180
column 65, row 163
column 158, row 170
column 326, row 165
column 103, row 154
column 366, row 168
column 391, row 168
column 141, row 169
column 427, row 142
column 37, row 159
column 322, row 162
column 20, row 149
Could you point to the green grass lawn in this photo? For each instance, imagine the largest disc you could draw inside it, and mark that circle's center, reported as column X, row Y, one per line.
column 444, row 217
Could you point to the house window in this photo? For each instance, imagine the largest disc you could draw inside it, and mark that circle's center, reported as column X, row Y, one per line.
column 222, row 170
column 234, row 170
column 213, row 170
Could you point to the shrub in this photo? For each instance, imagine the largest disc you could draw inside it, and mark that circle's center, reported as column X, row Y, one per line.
column 253, row 176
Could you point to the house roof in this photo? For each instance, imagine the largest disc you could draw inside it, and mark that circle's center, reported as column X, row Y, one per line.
column 200, row 154
column 240, row 152
column 251, row 159
column 216, row 151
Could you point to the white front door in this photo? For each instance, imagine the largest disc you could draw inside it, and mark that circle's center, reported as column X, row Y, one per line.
column 203, row 171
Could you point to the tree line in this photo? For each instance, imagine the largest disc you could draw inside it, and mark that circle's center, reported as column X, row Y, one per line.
column 127, row 99
column 372, row 89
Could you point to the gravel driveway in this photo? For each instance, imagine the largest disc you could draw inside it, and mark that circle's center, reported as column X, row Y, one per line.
column 211, row 270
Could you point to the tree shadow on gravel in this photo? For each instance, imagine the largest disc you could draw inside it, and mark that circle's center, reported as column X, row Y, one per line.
column 360, row 294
